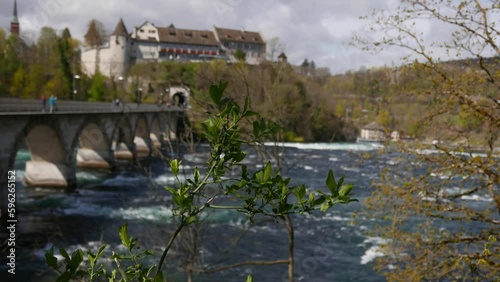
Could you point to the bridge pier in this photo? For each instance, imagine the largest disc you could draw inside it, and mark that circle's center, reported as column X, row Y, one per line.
column 47, row 174
column 142, row 147
column 123, row 151
column 98, row 159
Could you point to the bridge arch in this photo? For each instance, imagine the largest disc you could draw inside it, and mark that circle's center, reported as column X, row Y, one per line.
column 123, row 141
column 142, row 137
column 51, row 161
column 157, row 133
column 93, row 145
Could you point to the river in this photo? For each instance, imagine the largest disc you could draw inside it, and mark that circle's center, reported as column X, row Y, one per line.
column 329, row 246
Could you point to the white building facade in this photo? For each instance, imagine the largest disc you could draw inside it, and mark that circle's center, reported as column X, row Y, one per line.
column 148, row 42
column 112, row 59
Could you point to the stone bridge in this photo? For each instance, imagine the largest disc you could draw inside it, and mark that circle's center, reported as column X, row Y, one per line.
column 79, row 134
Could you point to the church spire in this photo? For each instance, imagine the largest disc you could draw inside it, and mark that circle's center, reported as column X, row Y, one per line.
column 14, row 23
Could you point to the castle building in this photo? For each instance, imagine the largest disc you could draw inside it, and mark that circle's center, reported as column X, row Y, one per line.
column 112, row 58
column 149, row 43
column 171, row 43
column 14, row 23
column 249, row 42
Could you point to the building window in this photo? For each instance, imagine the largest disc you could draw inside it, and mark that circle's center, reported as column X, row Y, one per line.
column 142, row 30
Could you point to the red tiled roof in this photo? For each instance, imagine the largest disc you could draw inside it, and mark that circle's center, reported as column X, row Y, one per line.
column 235, row 35
column 187, row 36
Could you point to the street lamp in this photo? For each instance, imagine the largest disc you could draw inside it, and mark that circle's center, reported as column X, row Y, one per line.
column 75, row 77
column 121, row 79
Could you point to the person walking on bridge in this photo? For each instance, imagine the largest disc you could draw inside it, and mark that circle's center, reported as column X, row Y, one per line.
column 52, row 103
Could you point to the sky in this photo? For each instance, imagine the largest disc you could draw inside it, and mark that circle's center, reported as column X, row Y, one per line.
column 318, row 30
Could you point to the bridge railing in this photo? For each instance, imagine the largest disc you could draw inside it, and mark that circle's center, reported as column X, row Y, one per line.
column 10, row 105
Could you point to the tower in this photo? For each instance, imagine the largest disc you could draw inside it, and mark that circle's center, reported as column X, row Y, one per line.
column 282, row 58
column 14, row 23
column 119, row 48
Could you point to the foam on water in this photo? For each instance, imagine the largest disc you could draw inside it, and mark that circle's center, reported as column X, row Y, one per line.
column 308, row 167
column 193, row 158
column 435, row 151
column 153, row 213
column 168, row 179
column 375, row 251
column 354, row 169
column 332, row 146
column 89, row 176
column 477, row 198
column 371, row 254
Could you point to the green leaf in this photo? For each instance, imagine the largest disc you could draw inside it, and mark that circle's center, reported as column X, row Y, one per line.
column 159, row 276
column 171, row 190
column 239, row 157
column 50, row 259
column 311, row 197
column 192, row 219
column 65, row 255
column 330, row 183
column 345, row 190
column 196, row 175
column 257, row 128
column 124, row 235
column 101, row 250
column 112, row 278
column 215, row 94
column 267, row 172
column 174, row 166
column 81, row 273
column 92, row 258
column 76, row 260
column 65, row 277
column 341, row 181
column 249, row 278
column 319, row 201
column 250, row 113
column 300, row 192
column 325, row 206
column 245, row 106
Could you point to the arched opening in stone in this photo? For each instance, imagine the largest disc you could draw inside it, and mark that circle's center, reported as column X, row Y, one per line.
column 122, row 145
column 156, row 135
column 49, row 164
column 141, row 138
column 93, row 149
column 180, row 99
